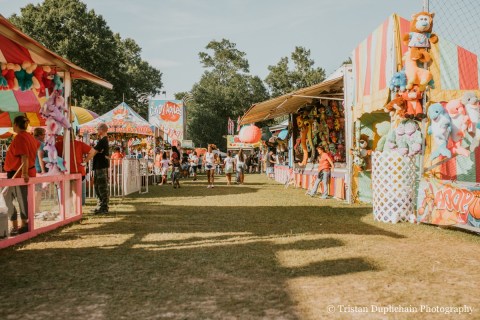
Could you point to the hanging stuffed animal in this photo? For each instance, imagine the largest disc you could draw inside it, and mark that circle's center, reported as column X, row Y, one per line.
column 413, row 137
column 10, row 75
column 460, row 125
column 38, row 82
column 413, row 98
column 305, row 135
column 440, row 127
column 335, row 110
column 3, row 80
column 383, row 128
column 415, row 74
column 398, row 81
column 397, row 108
column 420, row 36
column 472, row 106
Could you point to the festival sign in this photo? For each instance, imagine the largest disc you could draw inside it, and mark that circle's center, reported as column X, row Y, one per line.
column 168, row 116
column 233, row 142
column 446, row 203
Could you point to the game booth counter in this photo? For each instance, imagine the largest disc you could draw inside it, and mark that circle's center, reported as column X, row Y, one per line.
column 416, row 127
column 316, row 115
column 36, row 81
column 133, row 134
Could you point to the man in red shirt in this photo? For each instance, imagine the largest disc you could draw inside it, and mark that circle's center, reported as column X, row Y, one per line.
column 20, row 162
column 325, row 165
column 78, row 150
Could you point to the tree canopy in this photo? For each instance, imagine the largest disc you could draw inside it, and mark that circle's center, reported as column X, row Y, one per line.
column 80, row 35
column 226, row 89
column 282, row 80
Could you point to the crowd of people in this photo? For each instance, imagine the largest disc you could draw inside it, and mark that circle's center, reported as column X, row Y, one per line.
column 25, row 159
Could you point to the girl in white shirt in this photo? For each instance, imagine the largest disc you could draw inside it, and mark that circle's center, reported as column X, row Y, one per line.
column 209, row 160
column 240, row 165
column 229, row 163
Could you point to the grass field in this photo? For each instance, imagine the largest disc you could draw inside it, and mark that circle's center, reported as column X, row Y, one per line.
column 256, row 251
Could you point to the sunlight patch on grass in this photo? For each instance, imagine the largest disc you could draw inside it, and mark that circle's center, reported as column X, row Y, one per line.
column 191, row 235
column 96, row 241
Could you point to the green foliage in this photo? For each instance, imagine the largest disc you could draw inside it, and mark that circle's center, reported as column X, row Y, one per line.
column 224, row 90
column 69, row 29
column 282, row 80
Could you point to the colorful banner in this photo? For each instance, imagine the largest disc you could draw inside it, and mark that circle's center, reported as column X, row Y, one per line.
column 446, row 203
column 168, row 116
column 233, row 142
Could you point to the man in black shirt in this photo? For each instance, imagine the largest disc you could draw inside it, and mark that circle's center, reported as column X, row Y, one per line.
column 100, row 167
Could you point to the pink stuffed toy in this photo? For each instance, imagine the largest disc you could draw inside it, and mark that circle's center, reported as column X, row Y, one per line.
column 461, row 123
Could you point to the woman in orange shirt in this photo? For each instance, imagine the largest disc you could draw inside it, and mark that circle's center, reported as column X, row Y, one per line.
column 20, row 162
column 325, row 165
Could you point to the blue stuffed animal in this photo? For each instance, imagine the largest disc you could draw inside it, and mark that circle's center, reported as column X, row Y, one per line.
column 440, row 127
column 398, row 81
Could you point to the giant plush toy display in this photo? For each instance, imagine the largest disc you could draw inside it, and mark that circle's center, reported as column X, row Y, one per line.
column 460, row 124
column 420, row 36
column 54, row 112
column 440, row 127
column 397, row 108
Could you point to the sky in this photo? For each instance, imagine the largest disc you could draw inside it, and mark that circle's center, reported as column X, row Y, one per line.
column 171, row 33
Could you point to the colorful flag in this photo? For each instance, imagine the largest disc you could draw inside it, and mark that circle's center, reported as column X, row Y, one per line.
column 238, row 124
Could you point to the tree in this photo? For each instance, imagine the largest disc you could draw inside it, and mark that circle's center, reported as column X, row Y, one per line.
column 224, row 90
column 282, row 80
column 69, row 29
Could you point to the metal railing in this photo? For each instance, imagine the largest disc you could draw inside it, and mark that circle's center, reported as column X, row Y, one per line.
column 126, row 176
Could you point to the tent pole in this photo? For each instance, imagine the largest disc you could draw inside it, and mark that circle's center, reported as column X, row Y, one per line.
column 66, row 137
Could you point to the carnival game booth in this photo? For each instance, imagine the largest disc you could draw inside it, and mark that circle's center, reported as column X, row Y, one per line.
column 418, row 118
column 316, row 116
column 128, row 130
column 35, row 81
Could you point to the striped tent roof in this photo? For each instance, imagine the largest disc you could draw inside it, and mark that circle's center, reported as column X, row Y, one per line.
column 17, row 47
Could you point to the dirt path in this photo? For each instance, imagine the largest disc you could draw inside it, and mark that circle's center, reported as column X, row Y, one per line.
column 256, row 251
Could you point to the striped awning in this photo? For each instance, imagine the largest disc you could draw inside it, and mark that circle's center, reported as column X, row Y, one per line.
column 289, row 103
column 374, row 63
column 16, row 47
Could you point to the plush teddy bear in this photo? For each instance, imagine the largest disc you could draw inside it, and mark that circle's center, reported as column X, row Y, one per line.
column 420, row 36
column 398, row 81
column 413, row 137
column 413, row 98
column 440, row 127
column 383, row 128
column 397, row 108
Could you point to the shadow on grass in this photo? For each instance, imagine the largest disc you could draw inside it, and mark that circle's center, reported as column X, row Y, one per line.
column 179, row 262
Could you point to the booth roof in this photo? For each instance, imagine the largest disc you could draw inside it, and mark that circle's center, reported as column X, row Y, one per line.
column 121, row 119
column 290, row 102
column 17, row 47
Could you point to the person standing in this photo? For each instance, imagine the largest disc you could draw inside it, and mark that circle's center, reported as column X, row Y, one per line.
column 209, row 160
column 165, row 164
column 20, row 162
column 240, row 165
column 157, row 165
column 270, row 163
column 175, row 162
column 101, row 164
column 229, row 163
column 193, row 164
column 325, row 165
